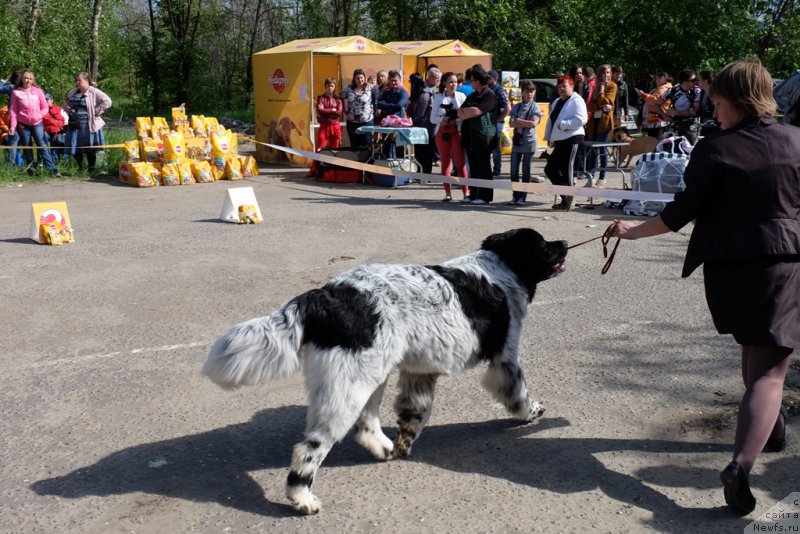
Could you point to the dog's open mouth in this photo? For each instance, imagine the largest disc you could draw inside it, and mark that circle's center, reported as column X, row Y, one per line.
column 559, row 267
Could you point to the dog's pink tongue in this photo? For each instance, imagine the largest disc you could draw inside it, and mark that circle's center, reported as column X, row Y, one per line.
column 560, row 267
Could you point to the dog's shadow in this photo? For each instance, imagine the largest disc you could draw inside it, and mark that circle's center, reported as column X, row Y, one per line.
column 214, row 466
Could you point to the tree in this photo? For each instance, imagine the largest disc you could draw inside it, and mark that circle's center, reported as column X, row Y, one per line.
column 94, row 37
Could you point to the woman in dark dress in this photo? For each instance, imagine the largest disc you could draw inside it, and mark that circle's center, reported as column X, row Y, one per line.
column 743, row 191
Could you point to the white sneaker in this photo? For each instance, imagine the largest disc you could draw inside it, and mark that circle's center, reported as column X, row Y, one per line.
column 600, row 183
column 537, row 179
column 478, row 202
column 466, row 200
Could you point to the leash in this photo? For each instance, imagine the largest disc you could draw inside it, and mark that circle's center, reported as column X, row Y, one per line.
column 606, row 237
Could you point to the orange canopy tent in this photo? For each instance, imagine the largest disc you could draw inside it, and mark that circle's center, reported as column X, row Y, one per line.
column 448, row 55
column 289, row 77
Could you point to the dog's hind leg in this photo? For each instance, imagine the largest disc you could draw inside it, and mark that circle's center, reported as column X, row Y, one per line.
column 369, row 433
column 506, row 382
column 337, row 395
column 413, row 408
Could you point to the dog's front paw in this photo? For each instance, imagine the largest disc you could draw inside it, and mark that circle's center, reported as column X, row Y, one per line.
column 402, row 446
column 535, row 412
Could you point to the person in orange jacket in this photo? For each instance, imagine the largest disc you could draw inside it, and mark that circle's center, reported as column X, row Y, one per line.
column 657, row 110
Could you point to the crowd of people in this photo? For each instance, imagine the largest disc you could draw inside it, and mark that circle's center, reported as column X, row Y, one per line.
column 31, row 118
column 460, row 111
column 464, row 115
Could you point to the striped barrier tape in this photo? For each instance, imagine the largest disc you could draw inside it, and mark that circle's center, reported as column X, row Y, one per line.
column 547, row 189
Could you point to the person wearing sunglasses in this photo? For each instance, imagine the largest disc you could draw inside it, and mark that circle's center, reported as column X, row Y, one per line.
column 684, row 105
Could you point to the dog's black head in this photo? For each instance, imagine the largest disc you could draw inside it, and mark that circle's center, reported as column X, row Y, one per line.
column 528, row 255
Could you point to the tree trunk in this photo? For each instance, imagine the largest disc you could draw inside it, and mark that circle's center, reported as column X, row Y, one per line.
column 94, row 41
column 154, row 59
column 34, row 18
column 251, row 46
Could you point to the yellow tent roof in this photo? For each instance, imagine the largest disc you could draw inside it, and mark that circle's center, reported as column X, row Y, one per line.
column 354, row 44
column 448, row 47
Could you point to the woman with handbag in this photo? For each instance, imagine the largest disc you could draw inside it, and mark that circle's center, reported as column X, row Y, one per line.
column 447, row 135
column 85, row 104
column 525, row 117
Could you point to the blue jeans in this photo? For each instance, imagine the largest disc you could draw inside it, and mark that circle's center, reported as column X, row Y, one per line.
column 37, row 134
column 14, row 158
column 525, row 159
column 497, row 160
column 591, row 158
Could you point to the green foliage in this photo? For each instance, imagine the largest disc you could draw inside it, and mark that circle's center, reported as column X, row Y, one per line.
column 203, row 47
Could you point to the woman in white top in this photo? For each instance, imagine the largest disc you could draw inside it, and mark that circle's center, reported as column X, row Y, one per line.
column 447, row 134
column 564, row 133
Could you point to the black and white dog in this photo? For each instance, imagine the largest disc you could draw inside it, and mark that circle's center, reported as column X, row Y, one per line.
column 425, row 320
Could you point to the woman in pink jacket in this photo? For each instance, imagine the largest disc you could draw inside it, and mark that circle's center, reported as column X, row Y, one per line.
column 85, row 104
column 28, row 108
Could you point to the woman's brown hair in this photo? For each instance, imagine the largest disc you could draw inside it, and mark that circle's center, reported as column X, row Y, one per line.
column 747, row 85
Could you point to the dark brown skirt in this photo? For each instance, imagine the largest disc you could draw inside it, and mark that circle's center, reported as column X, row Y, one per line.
column 757, row 300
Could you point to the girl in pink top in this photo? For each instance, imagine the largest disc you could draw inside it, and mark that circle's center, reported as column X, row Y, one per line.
column 28, row 108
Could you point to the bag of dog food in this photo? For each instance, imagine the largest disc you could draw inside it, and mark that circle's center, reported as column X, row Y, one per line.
column 143, row 126
column 132, row 151
column 185, row 168
column 198, row 148
column 249, row 166
column 174, row 147
column 212, row 125
column 248, row 214
column 233, row 168
column 201, row 170
column 150, row 150
column 220, row 149
column 139, row 174
column 199, row 126
column 179, row 113
column 159, row 128
column 171, row 174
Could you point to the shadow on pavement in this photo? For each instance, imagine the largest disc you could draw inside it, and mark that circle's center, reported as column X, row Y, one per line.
column 214, row 466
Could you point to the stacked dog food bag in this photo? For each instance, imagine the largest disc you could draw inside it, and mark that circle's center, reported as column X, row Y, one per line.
column 192, row 151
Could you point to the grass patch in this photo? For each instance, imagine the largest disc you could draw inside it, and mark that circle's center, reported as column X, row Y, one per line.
column 107, row 163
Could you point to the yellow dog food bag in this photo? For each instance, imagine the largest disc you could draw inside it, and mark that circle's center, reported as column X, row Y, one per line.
column 233, row 168
column 174, row 147
column 179, row 113
column 249, row 166
column 143, row 126
column 199, row 126
column 201, row 170
column 171, row 174
column 212, row 125
column 248, row 214
column 132, row 151
column 220, row 149
column 159, row 128
column 198, row 148
column 150, row 150
column 186, row 175
column 139, row 174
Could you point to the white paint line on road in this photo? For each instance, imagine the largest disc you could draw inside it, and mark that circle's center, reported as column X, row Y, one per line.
column 622, row 327
column 557, row 301
column 167, row 348
column 91, row 357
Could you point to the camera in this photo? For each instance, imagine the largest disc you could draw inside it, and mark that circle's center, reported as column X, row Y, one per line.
column 446, row 107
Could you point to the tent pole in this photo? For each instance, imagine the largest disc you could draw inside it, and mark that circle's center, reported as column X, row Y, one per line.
column 313, row 108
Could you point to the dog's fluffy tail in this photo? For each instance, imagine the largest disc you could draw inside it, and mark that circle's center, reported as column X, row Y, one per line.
column 257, row 350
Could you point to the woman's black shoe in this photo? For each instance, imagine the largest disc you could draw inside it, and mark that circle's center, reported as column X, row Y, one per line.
column 777, row 444
column 737, row 489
